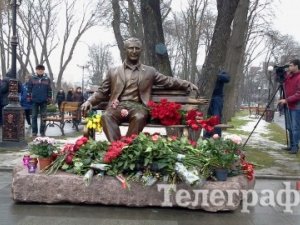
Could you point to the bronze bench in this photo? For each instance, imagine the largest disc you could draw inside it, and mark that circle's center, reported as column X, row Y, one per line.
column 186, row 99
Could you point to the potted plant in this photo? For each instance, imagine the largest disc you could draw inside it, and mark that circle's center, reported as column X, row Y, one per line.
column 43, row 148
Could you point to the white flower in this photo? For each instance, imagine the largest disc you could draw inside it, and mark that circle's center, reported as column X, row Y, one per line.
column 235, row 138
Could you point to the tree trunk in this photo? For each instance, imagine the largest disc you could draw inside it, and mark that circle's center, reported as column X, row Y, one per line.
column 2, row 48
column 215, row 59
column 116, row 24
column 235, row 58
column 154, row 37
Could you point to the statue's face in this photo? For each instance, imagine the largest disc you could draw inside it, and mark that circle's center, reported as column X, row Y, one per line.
column 133, row 50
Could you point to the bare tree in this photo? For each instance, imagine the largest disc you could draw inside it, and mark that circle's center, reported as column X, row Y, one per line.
column 127, row 21
column 235, row 58
column 188, row 31
column 215, row 59
column 39, row 27
column 91, row 16
column 155, row 48
column 100, row 59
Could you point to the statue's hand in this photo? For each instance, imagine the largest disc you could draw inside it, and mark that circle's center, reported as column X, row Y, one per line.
column 86, row 106
column 193, row 87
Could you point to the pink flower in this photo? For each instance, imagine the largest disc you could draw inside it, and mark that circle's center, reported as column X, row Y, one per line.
column 68, row 148
column 173, row 138
column 215, row 136
column 235, row 138
column 124, row 112
column 155, row 137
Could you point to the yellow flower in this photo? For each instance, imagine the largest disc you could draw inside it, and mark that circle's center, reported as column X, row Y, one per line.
column 94, row 122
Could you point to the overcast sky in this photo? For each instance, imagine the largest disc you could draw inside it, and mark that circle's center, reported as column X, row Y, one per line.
column 286, row 21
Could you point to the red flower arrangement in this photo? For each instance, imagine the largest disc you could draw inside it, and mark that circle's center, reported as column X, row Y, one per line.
column 116, row 147
column 210, row 123
column 70, row 149
column 194, row 119
column 248, row 168
column 168, row 113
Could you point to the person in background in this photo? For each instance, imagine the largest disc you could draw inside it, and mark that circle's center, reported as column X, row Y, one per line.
column 60, row 97
column 70, row 95
column 27, row 106
column 217, row 101
column 78, row 96
column 87, row 94
column 40, row 94
column 292, row 101
column 4, row 90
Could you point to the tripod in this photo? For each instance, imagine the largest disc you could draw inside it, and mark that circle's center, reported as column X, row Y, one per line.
column 282, row 94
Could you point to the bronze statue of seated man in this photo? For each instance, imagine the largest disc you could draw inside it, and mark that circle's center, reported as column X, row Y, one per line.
column 129, row 89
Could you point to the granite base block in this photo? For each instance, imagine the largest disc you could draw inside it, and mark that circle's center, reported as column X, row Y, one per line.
column 69, row 188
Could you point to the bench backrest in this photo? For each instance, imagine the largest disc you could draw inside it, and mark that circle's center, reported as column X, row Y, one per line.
column 186, row 99
column 72, row 108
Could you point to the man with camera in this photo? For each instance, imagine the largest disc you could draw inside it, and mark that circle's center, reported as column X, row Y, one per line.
column 292, row 100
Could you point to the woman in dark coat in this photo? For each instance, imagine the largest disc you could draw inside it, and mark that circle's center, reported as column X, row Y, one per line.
column 78, row 95
column 70, row 95
column 60, row 97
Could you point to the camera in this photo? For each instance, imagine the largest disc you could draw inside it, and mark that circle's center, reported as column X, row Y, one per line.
column 280, row 72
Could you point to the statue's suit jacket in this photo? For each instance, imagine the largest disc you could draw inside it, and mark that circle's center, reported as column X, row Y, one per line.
column 114, row 83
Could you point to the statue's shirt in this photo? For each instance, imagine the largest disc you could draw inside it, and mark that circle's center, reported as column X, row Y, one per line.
column 130, row 92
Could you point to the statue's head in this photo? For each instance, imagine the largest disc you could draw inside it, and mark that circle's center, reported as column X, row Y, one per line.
column 133, row 49
column 132, row 40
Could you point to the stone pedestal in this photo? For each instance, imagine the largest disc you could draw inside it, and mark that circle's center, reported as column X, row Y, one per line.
column 107, row 190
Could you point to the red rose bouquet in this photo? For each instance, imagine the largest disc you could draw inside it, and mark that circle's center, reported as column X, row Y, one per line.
column 168, row 113
column 116, row 147
column 194, row 119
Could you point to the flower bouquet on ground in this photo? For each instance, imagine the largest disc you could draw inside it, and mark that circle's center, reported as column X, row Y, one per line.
column 149, row 158
column 223, row 153
column 77, row 158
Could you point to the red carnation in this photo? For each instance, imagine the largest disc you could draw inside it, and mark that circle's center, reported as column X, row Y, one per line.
column 69, row 159
column 76, row 148
column 79, row 142
column 84, row 139
column 168, row 113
